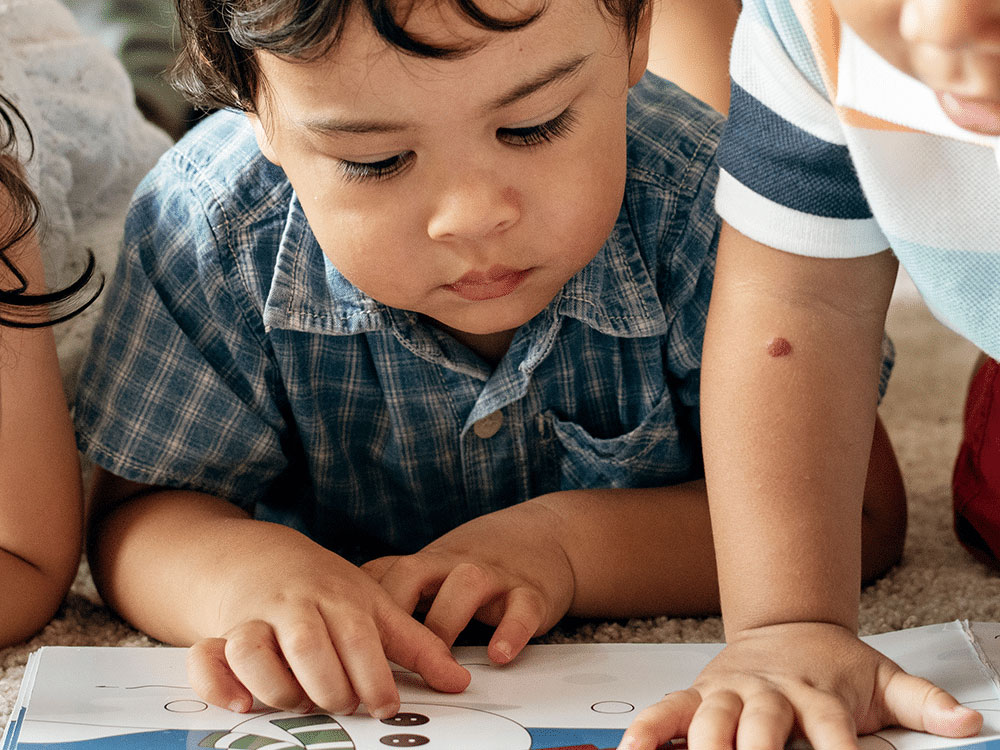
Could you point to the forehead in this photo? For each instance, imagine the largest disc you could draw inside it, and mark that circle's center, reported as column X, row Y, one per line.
column 362, row 62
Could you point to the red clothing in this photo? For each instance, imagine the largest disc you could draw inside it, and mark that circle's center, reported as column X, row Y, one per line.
column 976, row 480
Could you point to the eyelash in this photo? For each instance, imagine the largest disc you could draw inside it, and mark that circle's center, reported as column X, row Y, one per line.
column 376, row 171
column 558, row 127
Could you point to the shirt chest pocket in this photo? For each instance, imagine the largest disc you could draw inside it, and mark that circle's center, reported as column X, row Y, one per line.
column 657, row 452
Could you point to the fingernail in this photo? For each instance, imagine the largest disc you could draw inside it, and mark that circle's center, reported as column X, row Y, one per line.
column 385, row 712
column 628, row 743
column 304, row 708
column 240, row 706
column 504, row 649
column 910, row 21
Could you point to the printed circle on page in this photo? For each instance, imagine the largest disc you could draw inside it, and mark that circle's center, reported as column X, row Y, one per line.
column 612, row 707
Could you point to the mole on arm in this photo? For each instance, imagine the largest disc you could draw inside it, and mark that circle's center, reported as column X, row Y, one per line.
column 779, row 347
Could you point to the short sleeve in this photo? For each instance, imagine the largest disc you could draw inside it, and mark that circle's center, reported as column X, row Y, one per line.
column 179, row 386
column 786, row 175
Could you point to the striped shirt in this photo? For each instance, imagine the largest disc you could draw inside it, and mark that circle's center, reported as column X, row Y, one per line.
column 234, row 359
column 832, row 152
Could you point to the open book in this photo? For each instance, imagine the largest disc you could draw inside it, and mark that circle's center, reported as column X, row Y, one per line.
column 570, row 697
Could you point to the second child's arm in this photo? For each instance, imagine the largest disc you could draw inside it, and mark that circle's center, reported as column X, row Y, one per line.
column 272, row 614
column 797, row 340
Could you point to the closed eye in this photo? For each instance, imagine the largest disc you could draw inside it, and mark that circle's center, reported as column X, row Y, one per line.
column 558, row 127
column 359, row 171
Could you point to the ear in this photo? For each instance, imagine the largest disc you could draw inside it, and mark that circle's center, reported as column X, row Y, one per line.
column 263, row 139
column 640, row 51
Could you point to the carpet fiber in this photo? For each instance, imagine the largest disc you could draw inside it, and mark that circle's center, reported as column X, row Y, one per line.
column 936, row 581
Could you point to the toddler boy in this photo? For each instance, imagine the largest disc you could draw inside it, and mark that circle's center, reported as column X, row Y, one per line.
column 427, row 305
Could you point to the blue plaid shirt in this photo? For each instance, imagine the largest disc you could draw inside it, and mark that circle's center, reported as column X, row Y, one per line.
column 233, row 358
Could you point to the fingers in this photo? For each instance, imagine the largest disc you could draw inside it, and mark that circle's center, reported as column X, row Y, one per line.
column 662, row 722
column 413, row 646
column 407, row 579
column 915, row 703
column 296, row 666
column 826, row 722
column 466, row 589
column 251, row 650
column 359, row 646
column 766, row 721
column 714, row 723
column 523, row 617
column 305, row 645
column 212, row 679
column 378, row 567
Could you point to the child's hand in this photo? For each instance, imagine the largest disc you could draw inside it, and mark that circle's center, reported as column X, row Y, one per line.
column 505, row 569
column 817, row 678
column 305, row 628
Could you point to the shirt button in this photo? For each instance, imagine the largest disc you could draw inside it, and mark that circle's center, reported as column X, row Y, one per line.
column 489, row 425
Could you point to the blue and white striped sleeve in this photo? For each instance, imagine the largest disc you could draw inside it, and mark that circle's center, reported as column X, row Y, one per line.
column 786, row 175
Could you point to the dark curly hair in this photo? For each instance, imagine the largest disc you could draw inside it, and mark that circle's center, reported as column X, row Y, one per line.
column 216, row 66
column 18, row 307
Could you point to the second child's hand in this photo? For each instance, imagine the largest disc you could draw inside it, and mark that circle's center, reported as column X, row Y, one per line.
column 762, row 686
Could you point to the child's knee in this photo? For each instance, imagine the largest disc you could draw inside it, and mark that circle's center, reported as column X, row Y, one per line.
column 883, row 523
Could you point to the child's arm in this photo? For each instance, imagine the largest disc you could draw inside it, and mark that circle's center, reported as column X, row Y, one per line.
column 785, row 467
column 592, row 553
column 689, row 45
column 40, row 492
column 271, row 613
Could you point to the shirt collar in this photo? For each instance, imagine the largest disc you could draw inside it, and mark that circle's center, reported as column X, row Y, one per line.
column 613, row 294
column 866, row 82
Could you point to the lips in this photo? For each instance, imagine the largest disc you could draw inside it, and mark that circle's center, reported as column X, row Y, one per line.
column 977, row 115
column 497, row 281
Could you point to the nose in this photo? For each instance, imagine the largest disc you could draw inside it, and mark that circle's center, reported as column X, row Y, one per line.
column 477, row 205
column 951, row 23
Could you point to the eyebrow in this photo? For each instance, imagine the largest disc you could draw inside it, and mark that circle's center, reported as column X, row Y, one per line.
column 558, row 72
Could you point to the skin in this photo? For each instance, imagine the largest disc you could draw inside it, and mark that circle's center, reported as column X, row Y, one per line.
column 793, row 480
column 951, row 45
column 793, row 661
column 295, row 625
column 41, row 503
column 689, row 45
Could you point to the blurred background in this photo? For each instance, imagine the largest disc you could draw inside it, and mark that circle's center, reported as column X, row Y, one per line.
column 143, row 34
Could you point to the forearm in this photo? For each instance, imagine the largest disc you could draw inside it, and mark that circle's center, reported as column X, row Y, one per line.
column 41, row 497
column 165, row 560
column 637, row 551
column 785, row 462
column 31, row 597
column 689, row 45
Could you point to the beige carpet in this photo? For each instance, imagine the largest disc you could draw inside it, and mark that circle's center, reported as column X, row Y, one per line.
column 937, row 581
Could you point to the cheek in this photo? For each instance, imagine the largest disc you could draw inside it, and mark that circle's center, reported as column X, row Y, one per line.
column 367, row 244
column 588, row 191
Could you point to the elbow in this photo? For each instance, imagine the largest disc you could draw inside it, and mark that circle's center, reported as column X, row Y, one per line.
column 33, row 595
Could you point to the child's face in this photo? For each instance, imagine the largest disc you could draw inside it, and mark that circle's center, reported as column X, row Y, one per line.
column 469, row 190
column 951, row 45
